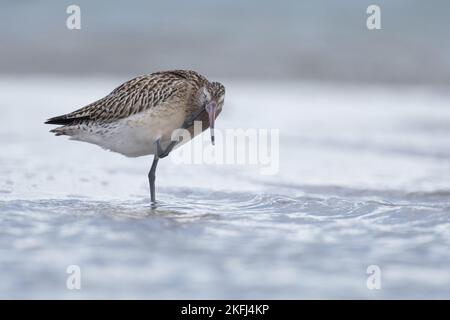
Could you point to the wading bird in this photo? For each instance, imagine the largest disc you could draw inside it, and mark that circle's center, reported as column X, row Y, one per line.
column 138, row 117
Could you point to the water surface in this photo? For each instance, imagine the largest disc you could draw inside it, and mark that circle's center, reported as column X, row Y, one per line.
column 364, row 180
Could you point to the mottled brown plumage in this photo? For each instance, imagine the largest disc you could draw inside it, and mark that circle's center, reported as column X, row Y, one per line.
column 137, row 95
column 138, row 117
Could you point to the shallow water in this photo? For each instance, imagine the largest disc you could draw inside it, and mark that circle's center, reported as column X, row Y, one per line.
column 364, row 180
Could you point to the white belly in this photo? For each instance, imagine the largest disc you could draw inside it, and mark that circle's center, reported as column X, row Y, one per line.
column 136, row 135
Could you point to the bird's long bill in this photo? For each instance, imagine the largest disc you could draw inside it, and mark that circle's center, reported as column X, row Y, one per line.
column 211, row 109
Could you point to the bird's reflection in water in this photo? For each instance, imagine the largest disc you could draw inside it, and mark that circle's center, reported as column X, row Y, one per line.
column 165, row 210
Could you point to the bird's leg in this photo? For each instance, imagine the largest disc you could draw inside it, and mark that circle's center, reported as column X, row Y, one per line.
column 186, row 124
column 160, row 153
column 189, row 122
column 151, row 178
column 164, row 153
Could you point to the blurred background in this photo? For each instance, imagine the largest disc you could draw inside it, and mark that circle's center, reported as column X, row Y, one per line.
column 256, row 39
column 364, row 152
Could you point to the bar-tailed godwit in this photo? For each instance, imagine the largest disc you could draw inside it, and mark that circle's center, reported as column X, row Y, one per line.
column 138, row 117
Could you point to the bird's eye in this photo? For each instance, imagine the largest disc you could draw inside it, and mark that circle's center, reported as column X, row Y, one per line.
column 206, row 94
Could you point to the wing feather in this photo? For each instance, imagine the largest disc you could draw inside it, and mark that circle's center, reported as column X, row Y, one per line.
column 132, row 97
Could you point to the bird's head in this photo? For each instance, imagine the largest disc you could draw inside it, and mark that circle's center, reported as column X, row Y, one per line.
column 213, row 95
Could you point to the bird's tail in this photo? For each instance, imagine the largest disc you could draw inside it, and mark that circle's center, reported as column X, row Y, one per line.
column 60, row 131
column 67, row 121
